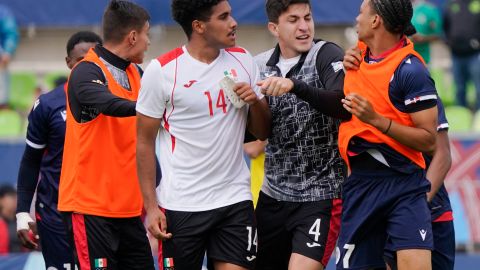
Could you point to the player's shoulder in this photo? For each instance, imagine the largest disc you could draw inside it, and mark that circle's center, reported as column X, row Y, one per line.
column 170, row 56
column 53, row 98
column 412, row 65
column 239, row 52
column 263, row 57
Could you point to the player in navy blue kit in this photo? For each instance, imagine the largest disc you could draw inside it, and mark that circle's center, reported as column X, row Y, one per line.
column 41, row 164
column 394, row 105
column 438, row 164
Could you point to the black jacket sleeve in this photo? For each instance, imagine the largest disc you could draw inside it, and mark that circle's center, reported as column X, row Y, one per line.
column 28, row 177
column 87, row 87
column 328, row 100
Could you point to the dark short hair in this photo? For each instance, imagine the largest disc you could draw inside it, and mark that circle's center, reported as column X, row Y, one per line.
column 275, row 8
column 82, row 36
column 184, row 12
column 397, row 15
column 7, row 190
column 121, row 17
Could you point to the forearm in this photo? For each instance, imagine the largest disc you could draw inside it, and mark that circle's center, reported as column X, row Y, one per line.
column 259, row 119
column 28, row 177
column 146, row 163
column 419, row 139
column 147, row 172
column 118, row 107
column 440, row 165
column 327, row 102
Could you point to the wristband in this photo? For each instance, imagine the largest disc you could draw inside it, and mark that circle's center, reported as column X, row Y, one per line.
column 389, row 126
column 23, row 219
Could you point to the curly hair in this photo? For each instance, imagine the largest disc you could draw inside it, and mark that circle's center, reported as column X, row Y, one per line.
column 184, row 12
column 275, row 8
column 397, row 15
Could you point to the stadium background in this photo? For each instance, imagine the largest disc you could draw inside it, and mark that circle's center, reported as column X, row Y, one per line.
column 46, row 25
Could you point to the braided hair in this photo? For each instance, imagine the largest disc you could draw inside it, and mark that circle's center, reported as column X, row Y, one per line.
column 397, row 15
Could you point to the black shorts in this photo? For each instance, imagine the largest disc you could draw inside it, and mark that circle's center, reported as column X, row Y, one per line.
column 227, row 234
column 307, row 228
column 102, row 243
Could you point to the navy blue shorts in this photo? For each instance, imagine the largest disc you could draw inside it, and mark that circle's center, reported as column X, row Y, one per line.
column 56, row 249
column 379, row 206
column 443, row 255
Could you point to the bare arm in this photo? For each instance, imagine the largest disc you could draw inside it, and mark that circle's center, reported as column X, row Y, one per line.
column 255, row 148
column 147, row 129
column 420, row 137
column 441, row 163
column 260, row 119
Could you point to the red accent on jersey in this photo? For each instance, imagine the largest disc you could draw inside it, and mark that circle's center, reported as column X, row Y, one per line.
column 447, row 216
column 167, row 128
column 170, row 56
column 189, row 84
column 236, row 49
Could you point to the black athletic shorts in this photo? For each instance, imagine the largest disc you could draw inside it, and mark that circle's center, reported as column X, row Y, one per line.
column 102, row 243
column 226, row 234
column 307, row 228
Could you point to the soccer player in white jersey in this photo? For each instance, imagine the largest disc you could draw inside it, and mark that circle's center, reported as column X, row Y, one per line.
column 205, row 189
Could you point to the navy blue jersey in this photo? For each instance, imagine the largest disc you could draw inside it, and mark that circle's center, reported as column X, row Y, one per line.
column 440, row 203
column 411, row 90
column 46, row 130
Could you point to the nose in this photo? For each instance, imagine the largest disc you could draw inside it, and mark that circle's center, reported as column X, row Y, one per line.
column 303, row 25
column 233, row 23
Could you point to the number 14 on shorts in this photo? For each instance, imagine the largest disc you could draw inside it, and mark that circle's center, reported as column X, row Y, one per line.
column 252, row 241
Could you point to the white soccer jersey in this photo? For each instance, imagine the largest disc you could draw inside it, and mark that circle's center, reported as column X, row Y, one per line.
column 201, row 139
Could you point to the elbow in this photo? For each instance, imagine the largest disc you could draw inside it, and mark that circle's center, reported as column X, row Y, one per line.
column 264, row 134
column 429, row 147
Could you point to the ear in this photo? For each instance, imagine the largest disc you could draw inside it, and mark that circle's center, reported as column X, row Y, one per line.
column 273, row 28
column 198, row 27
column 67, row 61
column 132, row 37
column 376, row 21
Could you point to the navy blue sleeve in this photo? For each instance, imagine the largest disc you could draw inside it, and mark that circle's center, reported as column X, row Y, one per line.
column 37, row 130
column 442, row 117
column 412, row 89
column 28, row 177
column 37, row 138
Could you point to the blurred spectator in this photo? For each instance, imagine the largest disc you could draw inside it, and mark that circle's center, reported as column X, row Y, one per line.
column 8, row 228
column 461, row 25
column 427, row 19
column 8, row 44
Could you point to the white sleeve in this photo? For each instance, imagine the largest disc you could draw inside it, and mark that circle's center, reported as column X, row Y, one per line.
column 152, row 98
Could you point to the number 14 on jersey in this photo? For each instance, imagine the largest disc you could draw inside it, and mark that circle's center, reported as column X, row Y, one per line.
column 220, row 104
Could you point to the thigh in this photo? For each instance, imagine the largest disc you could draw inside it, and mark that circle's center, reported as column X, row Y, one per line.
column 234, row 238
column 134, row 250
column 95, row 241
column 443, row 254
column 316, row 228
column 56, row 249
column 274, row 241
column 363, row 229
column 186, row 249
column 409, row 223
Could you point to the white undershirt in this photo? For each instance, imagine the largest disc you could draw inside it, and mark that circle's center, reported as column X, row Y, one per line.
column 286, row 64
